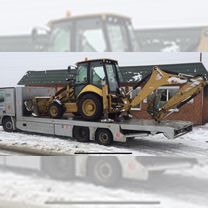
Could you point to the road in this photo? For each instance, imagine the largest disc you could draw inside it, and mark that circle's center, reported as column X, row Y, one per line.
column 194, row 144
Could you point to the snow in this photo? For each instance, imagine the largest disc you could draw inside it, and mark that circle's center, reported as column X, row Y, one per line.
column 175, row 80
column 135, row 77
column 193, row 144
column 40, row 190
column 197, row 171
column 37, row 190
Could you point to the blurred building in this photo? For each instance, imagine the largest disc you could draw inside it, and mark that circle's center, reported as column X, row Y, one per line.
column 195, row 111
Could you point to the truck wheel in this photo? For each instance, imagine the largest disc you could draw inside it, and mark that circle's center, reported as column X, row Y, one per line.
column 8, row 124
column 104, row 137
column 81, row 134
column 56, row 110
column 105, row 171
column 90, row 107
column 61, row 168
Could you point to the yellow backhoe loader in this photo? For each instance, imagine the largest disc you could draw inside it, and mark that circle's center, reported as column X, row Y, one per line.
column 94, row 93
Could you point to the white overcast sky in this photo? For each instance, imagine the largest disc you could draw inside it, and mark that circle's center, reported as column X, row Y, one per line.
column 14, row 65
column 20, row 16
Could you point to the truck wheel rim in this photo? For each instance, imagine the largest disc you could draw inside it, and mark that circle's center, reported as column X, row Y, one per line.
column 9, row 125
column 103, row 171
column 104, row 137
column 89, row 107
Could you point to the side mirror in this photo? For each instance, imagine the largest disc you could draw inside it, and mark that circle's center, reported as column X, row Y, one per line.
column 69, row 68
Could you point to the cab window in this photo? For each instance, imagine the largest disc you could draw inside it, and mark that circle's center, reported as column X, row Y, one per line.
column 118, row 37
column 90, row 36
column 81, row 77
column 112, row 78
column 98, row 74
column 61, row 40
column 1, row 97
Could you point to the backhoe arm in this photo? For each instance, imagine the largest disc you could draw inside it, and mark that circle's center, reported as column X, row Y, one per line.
column 187, row 92
column 157, row 79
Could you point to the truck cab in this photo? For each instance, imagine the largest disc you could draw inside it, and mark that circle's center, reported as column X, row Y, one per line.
column 7, row 108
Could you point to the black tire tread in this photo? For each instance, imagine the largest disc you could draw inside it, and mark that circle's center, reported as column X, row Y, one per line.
column 99, row 107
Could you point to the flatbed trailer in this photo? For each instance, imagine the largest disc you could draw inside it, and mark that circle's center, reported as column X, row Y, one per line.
column 13, row 116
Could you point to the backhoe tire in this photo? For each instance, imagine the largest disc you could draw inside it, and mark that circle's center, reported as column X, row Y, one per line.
column 56, row 110
column 90, row 107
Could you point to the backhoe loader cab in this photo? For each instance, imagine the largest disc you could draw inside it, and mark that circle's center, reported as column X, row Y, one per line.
column 94, row 81
column 92, row 33
column 95, row 74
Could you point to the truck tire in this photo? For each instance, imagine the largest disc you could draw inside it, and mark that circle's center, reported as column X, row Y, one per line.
column 81, row 133
column 56, row 167
column 105, row 171
column 56, row 110
column 8, row 124
column 90, row 107
column 104, row 137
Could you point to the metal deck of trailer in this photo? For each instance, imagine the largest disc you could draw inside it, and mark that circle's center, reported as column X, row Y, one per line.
column 120, row 130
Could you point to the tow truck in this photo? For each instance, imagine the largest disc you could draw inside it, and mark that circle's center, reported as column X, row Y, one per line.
column 102, row 108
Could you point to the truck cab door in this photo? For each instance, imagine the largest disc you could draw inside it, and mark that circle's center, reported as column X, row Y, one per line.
column 2, row 102
column 7, row 102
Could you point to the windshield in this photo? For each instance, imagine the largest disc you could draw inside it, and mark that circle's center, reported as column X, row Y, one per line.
column 112, row 78
column 60, row 40
column 90, row 36
column 119, row 74
column 81, row 77
column 118, row 37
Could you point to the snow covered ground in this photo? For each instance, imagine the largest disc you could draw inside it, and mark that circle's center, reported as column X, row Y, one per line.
column 176, row 188
column 171, row 190
column 193, row 144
